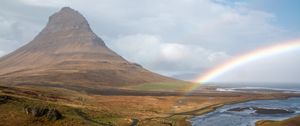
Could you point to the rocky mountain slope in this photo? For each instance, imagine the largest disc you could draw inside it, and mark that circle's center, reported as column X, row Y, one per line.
column 68, row 52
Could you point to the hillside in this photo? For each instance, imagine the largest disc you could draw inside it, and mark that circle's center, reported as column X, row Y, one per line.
column 68, row 53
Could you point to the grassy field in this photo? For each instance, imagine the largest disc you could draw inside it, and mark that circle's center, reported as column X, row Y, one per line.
column 295, row 121
column 13, row 114
column 163, row 87
column 84, row 108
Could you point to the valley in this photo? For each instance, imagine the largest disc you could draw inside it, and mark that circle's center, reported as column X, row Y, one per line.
column 87, row 108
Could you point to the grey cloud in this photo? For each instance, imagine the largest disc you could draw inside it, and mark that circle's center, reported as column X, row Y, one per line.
column 2, row 53
column 168, row 58
column 173, row 38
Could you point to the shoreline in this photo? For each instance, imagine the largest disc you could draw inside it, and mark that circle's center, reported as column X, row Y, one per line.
column 216, row 106
column 291, row 121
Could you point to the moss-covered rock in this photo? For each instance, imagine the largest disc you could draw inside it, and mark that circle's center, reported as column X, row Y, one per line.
column 37, row 111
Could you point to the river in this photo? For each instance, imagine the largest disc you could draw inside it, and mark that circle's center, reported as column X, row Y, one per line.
column 243, row 114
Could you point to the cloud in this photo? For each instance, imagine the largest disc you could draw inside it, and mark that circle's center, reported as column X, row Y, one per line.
column 15, row 33
column 174, row 52
column 45, row 3
column 166, row 57
column 181, row 37
column 2, row 53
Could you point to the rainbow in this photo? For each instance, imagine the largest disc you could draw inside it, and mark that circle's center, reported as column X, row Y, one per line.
column 257, row 54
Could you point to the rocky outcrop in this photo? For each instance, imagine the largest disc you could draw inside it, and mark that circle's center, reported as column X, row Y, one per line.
column 262, row 110
column 54, row 114
column 50, row 113
column 4, row 99
column 272, row 111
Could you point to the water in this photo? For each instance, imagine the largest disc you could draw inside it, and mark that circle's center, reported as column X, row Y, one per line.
column 251, row 89
column 222, row 117
column 254, row 86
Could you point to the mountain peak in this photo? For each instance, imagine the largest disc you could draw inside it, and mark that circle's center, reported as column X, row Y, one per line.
column 67, row 9
column 65, row 20
column 67, row 31
column 68, row 52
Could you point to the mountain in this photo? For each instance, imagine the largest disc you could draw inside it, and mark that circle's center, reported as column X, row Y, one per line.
column 68, row 52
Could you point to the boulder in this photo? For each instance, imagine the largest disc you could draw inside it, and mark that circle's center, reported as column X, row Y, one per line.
column 53, row 115
column 50, row 114
column 4, row 99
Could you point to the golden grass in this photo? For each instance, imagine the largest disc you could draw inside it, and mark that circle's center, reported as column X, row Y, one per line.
column 295, row 121
column 80, row 108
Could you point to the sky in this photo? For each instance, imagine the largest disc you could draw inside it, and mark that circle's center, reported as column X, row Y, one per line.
column 178, row 38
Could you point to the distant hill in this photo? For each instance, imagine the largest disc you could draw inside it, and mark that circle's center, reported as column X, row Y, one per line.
column 67, row 52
